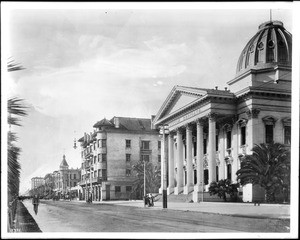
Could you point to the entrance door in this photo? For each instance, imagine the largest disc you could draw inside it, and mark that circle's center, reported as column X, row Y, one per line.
column 107, row 192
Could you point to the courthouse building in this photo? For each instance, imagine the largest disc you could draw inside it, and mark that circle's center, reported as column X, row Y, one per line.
column 209, row 130
column 109, row 152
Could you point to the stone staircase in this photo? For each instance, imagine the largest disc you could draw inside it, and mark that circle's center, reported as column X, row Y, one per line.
column 189, row 197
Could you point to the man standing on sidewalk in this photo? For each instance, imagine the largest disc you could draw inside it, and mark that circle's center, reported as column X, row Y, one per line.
column 35, row 202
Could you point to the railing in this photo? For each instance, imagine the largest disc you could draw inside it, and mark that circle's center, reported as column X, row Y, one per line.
column 92, row 180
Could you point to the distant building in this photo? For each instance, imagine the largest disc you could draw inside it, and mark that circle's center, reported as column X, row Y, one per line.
column 109, row 153
column 209, row 130
column 66, row 179
column 36, row 182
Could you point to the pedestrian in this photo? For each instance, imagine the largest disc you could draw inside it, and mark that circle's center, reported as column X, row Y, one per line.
column 35, row 202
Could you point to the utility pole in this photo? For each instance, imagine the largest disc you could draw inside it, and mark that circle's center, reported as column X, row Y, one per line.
column 165, row 159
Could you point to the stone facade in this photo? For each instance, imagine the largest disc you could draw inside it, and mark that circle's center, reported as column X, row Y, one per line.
column 109, row 153
column 210, row 129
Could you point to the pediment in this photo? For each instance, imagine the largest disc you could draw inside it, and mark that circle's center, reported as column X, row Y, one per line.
column 181, row 101
column 179, row 98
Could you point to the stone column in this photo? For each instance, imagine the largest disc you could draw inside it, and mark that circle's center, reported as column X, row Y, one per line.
column 179, row 186
column 222, row 154
column 171, row 164
column 252, row 128
column 199, row 186
column 189, row 160
column 211, row 147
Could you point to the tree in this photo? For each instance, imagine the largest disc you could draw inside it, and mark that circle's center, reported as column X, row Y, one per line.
column 269, row 167
column 15, row 108
column 153, row 178
column 223, row 187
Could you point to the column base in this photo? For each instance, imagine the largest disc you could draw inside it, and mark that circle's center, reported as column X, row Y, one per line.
column 170, row 190
column 199, row 188
column 188, row 189
column 178, row 190
column 198, row 196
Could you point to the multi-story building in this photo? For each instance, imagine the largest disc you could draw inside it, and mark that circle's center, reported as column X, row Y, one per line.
column 209, row 130
column 36, row 182
column 66, row 179
column 109, row 152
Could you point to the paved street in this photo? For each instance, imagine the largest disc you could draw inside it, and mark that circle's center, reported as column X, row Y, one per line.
column 75, row 216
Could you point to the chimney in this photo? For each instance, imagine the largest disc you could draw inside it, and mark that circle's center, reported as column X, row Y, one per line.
column 225, row 88
column 152, row 124
column 117, row 122
column 216, row 87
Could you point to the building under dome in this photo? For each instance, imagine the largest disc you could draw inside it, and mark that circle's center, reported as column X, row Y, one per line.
column 210, row 129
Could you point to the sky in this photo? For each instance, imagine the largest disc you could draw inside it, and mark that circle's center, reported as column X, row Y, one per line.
column 83, row 64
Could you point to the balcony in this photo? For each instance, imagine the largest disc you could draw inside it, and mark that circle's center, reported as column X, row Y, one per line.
column 94, row 180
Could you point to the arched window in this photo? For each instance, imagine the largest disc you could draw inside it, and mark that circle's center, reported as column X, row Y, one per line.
column 286, row 130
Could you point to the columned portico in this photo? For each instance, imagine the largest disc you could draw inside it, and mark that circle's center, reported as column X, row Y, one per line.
column 179, row 187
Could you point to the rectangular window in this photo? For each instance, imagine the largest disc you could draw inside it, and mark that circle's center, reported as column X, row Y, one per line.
column 104, row 174
column 128, row 172
column 128, row 188
column 269, row 133
column 117, row 189
column 98, row 143
column 99, row 172
column 95, row 159
column 145, row 157
column 228, row 139
column 159, row 145
column 217, row 142
column 145, row 145
column 287, row 134
column 159, row 158
column 243, row 135
column 229, row 171
column 74, row 175
column 99, row 157
column 104, row 157
column 128, row 157
column 128, row 143
column 91, row 148
column 103, row 143
column 75, row 183
column 94, row 145
column 205, row 176
column 204, row 146
column 217, row 173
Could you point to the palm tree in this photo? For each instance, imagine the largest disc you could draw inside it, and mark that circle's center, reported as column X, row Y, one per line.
column 152, row 178
column 15, row 108
column 269, row 167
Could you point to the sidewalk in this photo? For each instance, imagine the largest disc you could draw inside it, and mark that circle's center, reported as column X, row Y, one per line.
column 279, row 211
column 24, row 221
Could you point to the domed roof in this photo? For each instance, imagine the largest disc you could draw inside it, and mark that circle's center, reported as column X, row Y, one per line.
column 270, row 46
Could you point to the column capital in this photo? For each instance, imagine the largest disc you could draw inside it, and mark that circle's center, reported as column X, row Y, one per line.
column 188, row 127
column 200, row 122
column 253, row 113
column 179, row 130
column 212, row 116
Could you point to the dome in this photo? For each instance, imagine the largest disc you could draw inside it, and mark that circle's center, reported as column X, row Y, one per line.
column 270, row 46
